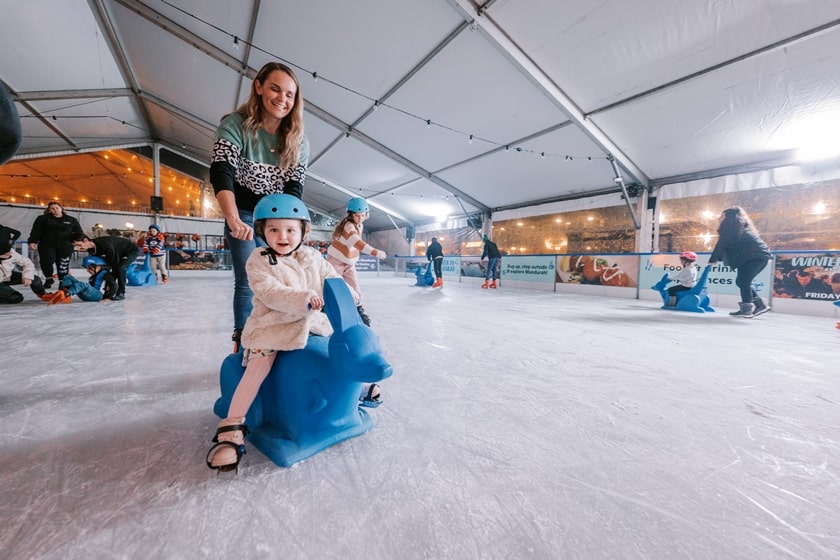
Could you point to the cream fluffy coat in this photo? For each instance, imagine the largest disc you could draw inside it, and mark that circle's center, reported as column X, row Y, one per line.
column 281, row 318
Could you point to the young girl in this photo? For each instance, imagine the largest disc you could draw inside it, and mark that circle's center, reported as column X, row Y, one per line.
column 685, row 279
column 346, row 245
column 287, row 279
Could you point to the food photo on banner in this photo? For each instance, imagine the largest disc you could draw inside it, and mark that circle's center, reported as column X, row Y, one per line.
column 807, row 275
column 602, row 270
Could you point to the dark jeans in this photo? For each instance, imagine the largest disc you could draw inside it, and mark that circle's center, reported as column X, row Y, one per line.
column 492, row 270
column 438, row 267
column 10, row 295
column 746, row 274
column 83, row 290
column 121, row 267
column 239, row 252
column 672, row 291
column 58, row 257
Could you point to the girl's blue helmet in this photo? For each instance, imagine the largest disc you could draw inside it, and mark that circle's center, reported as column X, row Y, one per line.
column 357, row 205
column 281, row 206
column 155, row 226
column 93, row 260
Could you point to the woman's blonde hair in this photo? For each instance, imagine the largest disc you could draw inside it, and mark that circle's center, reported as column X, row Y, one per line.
column 290, row 132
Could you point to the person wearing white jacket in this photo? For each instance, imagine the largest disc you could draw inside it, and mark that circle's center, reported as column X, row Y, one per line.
column 287, row 279
column 15, row 269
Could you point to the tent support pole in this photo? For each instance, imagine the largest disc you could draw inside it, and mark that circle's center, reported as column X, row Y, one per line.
column 618, row 179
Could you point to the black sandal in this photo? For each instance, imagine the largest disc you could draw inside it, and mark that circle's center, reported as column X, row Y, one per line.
column 238, row 447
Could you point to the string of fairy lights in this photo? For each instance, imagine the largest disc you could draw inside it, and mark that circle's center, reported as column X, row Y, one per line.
column 319, row 77
column 377, row 103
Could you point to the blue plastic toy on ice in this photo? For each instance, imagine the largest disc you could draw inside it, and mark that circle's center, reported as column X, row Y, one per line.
column 696, row 299
column 310, row 399
column 140, row 274
column 425, row 278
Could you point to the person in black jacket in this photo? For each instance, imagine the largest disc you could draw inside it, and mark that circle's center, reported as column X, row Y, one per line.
column 434, row 253
column 740, row 248
column 118, row 253
column 494, row 258
column 52, row 234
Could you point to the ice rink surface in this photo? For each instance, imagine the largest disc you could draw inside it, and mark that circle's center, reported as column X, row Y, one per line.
column 518, row 424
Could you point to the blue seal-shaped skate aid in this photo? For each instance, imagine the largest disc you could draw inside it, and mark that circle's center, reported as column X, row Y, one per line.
column 695, row 300
column 310, row 399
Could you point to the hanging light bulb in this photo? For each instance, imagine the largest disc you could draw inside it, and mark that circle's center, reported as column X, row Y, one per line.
column 471, row 137
column 236, row 42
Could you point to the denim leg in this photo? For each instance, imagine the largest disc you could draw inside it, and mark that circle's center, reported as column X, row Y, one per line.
column 493, row 268
column 239, row 252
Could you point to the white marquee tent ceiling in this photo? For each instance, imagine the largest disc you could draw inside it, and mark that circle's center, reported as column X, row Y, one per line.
column 440, row 106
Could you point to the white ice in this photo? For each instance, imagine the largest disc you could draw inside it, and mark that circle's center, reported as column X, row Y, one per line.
column 518, row 424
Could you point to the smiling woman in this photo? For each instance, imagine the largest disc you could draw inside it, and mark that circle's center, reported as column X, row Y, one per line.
column 260, row 149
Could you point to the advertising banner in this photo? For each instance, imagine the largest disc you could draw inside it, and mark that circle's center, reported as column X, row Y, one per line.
column 721, row 278
column 451, row 266
column 367, row 263
column 812, row 276
column 528, row 269
column 602, row 270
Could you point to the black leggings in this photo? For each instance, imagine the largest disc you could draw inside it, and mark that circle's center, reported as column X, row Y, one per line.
column 54, row 256
column 438, row 266
column 746, row 274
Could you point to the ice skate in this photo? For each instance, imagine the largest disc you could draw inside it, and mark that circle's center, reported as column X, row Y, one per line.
column 486, row 284
column 60, row 297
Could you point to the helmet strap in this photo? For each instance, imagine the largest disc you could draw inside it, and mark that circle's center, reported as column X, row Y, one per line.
column 272, row 254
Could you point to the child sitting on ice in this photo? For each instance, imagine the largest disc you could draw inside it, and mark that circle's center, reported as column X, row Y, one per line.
column 287, row 279
column 685, row 279
column 100, row 286
column 15, row 269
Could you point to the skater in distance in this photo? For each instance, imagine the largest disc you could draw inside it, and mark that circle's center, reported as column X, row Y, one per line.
column 434, row 253
column 740, row 248
column 347, row 244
